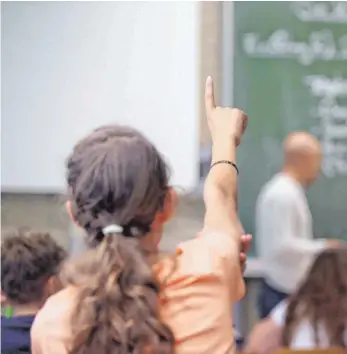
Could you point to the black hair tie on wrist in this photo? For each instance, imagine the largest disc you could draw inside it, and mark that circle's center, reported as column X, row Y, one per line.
column 226, row 162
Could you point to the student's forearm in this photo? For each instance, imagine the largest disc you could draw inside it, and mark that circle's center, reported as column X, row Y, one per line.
column 221, row 185
column 223, row 176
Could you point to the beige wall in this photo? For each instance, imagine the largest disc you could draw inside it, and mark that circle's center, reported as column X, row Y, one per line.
column 42, row 212
column 211, row 56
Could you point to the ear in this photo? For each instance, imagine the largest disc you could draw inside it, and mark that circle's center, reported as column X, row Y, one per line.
column 69, row 211
column 169, row 207
column 52, row 286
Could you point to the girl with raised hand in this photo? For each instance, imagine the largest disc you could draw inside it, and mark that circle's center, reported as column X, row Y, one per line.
column 122, row 296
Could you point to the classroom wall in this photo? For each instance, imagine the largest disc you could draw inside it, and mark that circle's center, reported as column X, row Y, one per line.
column 68, row 67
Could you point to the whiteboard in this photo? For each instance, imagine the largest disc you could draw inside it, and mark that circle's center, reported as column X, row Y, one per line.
column 68, row 67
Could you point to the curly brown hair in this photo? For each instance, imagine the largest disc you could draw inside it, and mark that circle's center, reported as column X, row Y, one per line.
column 322, row 299
column 28, row 259
column 116, row 176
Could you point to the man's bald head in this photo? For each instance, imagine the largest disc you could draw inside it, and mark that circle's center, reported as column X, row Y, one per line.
column 300, row 143
column 302, row 152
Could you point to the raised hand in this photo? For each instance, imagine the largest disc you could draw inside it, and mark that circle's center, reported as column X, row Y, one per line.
column 224, row 122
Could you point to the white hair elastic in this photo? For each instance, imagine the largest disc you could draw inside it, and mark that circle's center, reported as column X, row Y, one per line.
column 113, row 228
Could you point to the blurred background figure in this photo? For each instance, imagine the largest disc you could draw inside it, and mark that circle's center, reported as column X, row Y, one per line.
column 30, row 263
column 284, row 223
column 314, row 316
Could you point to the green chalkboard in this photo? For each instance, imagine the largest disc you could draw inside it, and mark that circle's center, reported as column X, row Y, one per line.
column 290, row 73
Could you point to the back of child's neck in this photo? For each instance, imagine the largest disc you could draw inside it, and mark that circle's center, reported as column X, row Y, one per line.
column 26, row 309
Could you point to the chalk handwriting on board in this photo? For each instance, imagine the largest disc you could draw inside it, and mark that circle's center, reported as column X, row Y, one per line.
column 331, row 110
column 330, row 93
column 323, row 86
column 321, row 45
column 313, row 11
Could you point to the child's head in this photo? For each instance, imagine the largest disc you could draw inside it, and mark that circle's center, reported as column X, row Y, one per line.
column 30, row 262
column 116, row 176
column 322, row 297
column 119, row 194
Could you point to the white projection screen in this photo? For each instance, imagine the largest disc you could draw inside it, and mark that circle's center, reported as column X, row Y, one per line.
column 68, row 67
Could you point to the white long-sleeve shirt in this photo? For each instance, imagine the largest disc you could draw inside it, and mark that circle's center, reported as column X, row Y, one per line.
column 284, row 234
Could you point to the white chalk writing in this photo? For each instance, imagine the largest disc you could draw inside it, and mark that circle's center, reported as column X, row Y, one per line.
column 323, row 86
column 321, row 45
column 313, row 11
column 331, row 111
column 329, row 93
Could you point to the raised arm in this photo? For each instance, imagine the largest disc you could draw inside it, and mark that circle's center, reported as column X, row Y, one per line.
column 227, row 126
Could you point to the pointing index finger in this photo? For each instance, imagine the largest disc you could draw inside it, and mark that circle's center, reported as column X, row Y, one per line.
column 210, row 103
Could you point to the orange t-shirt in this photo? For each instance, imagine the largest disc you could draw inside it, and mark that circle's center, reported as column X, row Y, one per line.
column 199, row 297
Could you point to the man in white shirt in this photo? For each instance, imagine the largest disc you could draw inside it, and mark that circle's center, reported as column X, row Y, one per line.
column 284, row 234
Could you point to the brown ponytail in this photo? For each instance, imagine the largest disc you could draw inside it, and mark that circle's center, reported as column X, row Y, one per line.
column 116, row 176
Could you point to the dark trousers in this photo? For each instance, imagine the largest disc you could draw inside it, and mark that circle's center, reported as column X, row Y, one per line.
column 268, row 299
